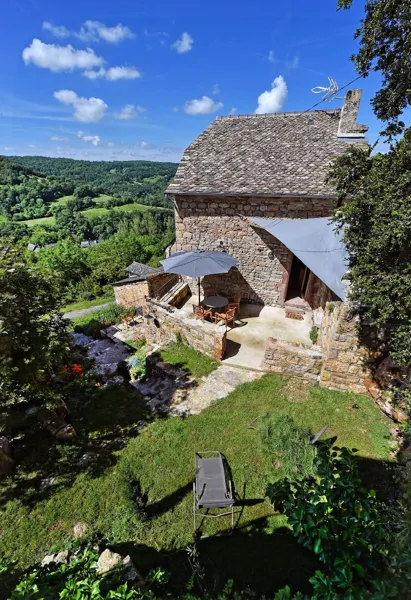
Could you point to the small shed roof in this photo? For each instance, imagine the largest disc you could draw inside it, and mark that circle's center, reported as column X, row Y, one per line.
column 140, row 270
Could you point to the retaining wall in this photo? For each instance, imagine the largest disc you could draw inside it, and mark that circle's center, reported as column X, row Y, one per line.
column 165, row 323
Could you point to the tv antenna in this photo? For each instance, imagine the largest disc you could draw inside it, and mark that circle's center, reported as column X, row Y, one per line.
column 330, row 92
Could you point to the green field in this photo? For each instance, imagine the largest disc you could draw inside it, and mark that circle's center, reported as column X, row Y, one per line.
column 40, row 221
column 95, row 211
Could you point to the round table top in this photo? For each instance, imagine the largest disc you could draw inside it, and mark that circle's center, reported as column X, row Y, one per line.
column 215, row 301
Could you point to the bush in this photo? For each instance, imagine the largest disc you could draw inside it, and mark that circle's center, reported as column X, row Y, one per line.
column 314, row 334
column 289, row 444
column 345, row 526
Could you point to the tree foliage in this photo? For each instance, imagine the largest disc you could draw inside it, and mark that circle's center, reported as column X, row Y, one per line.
column 385, row 46
column 348, row 529
column 32, row 333
column 375, row 192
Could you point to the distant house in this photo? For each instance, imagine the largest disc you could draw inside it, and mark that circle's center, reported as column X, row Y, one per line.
column 88, row 243
column 245, row 172
column 132, row 291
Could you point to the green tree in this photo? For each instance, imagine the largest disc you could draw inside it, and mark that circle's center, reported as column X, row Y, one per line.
column 67, row 262
column 375, row 192
column 385, row 46
column 32, row 331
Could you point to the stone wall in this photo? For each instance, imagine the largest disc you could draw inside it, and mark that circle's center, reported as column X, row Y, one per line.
column 158, row 282
column 293, row 359
column 131, row 295
column 345, row 359
column 166, row 323
column 220, row 223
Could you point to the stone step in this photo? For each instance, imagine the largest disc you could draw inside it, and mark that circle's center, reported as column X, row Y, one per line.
column 171, row 293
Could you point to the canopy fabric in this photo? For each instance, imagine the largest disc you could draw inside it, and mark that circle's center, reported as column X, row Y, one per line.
column 197, row 263
column 316, row 243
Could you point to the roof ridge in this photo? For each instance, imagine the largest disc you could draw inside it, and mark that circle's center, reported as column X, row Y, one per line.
column 291, row 112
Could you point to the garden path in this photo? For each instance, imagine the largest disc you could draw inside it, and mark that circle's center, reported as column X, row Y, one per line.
column 74, row 314
column 219, row 384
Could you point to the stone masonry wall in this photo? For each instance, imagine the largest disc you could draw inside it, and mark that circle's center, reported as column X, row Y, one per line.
column 200, row 335
column 131, row 295
column 293, row 359
column 345, row 360
column 205, row 221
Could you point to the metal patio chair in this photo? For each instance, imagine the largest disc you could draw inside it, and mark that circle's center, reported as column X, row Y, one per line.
column 212, row 488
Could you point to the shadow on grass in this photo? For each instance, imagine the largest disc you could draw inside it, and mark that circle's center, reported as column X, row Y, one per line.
column 104, row 419
column 250, row 557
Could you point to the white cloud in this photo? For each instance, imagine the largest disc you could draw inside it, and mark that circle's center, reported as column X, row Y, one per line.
column 114, row 73
column 232, row 111
column 273, row 100
column 94, row 31
column 216, row 89
column 293, row 64
column 202, row 106
column 175, row 109
column 57, row 30
column 129, row 111
column 183, row 44
column 88, row 110
column 32, row 146
column 57, row 138
column 271, row 56
column 60, row 58
column 144, row 145
column 93, row 139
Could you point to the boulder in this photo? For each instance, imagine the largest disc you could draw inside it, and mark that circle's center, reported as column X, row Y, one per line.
column 57, row 559
column 55, row 425
column 108, row 561
column 47, row 482
column 6, row 461
column 131, row 573
column 79, row 339
column 399, row 415
column 66, row 434
column 80, row 529
column 87, row 459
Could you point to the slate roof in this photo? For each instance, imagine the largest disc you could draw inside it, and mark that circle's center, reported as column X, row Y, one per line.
column 141, row 271
column 269, row 155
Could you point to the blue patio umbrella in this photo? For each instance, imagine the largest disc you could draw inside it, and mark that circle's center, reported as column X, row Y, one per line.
column 197, row 263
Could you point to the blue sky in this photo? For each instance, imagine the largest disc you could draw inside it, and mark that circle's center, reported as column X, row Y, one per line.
column 105, row 79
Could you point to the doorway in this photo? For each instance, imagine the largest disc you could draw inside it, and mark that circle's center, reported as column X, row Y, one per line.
column 298, row 280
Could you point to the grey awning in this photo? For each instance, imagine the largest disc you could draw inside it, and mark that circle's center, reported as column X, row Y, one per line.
column 316, row 243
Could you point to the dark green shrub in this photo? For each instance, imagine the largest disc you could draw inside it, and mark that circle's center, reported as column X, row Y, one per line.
column 350, row 531
column 314, row 334
column 288, row 444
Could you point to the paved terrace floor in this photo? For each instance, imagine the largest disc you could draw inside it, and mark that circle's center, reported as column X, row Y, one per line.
column 246, row 342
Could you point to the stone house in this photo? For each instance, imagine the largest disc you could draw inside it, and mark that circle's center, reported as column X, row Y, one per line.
column 272, row 166
column 132, row 291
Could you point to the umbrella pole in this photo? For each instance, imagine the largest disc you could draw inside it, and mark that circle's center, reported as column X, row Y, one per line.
column 198, row 282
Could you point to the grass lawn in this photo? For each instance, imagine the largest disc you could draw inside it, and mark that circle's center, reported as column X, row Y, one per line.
column 39, row 221
column 87, row 303
column 186, row 358
column 155, row 472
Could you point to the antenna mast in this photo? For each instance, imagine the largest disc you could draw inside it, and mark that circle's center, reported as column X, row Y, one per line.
column 330, row 92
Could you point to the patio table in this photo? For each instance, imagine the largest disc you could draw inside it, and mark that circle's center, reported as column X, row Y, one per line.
column 215, row 302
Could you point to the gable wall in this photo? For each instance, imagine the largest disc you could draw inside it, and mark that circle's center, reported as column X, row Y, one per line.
column 262, row 274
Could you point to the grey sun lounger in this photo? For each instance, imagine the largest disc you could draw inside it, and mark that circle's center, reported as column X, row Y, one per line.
column 212, row 488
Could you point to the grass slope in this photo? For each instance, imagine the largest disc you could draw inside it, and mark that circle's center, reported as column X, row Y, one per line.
column 87, row 303
column 186, row 358
column 156, row 469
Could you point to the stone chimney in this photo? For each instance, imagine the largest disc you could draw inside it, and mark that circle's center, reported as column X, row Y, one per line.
column 348, row 126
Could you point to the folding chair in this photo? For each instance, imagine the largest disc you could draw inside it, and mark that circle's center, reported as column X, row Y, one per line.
column 212, row 487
